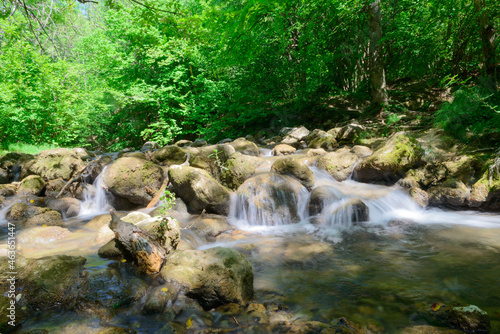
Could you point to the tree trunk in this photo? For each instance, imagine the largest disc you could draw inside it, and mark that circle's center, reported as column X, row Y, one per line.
column 376, row 64
column 488, row 42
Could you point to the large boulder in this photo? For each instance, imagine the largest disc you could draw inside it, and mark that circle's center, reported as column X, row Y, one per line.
column 211, row 158
column 169, row 155
column 137, row 180
column 236, row 170
column 339, row 164
column 245, row 147
column 199, row 190
column 391, row 161
column 295, row 168
column 453, row 193
column 31, row 185
column 213, row 277
column 30, row 215
column 57, row 163
column 269, row 199
column 321, row 139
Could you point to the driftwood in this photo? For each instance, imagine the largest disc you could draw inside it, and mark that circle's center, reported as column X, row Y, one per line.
column 156, row 199
column 76, row 176
column 143, row 245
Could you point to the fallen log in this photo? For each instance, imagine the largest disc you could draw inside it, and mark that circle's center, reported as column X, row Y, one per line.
column 160, row 192
column 141, row 244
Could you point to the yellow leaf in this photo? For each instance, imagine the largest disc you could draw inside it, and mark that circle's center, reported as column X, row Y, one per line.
column 32, row 201
column 124, row 260
column 435, row 307
column 189, row 323
column 164, row 289
column 44, row 225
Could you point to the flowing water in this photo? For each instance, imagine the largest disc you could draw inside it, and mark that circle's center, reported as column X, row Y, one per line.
column 383, row 272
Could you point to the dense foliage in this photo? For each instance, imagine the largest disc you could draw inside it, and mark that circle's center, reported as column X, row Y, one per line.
column 115, row 74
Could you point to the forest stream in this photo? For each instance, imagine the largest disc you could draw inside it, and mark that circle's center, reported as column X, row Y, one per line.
column 382, row 272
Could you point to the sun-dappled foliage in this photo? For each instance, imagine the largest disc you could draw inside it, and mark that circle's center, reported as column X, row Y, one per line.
column 114, row 74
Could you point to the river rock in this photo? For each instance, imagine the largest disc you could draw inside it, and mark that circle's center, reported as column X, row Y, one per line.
column 137, row 180
column 210, row 225
column 314, row 152
column 59, row 163
column 390, row 162
column 236, row 170
column 352, row 210
column 211, row 158
column 7, row 190
column 269, row 199
column 339, row 164
column 283, row 149
column 42, row 235
column 183, row 143
column 149, row 146
column 4, row 176
column 350, row 133
column 51, row 281
column 469, row 319
column 31, row 185
column 298, row 134
column 321, row 139
column 159, row 298
column 169, row 155
column 452, row 193
column 361, row 151
column 30, row 215
column 199, row 190
column 429, row 330
column 245, row 147
column 295, row 168
column 66, row 206
column 112, row 288
column 321, row 197
column 421, row 197
column 199, row 143
column 213, row 277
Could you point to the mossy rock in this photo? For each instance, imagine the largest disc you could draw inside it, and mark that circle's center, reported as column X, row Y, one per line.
column 59, row 163
column 169, row 155
column 213, row 277
column 236, row 170
column 245, row 147
column 294, row 168
column 451, row 193
column 283, row 149
column 31, row 185
column 136, row 180
column 469, row 319
column 199, row 190
column 29, row 215
column 390, row 162
column 339, row 164
column 321, row 139
column 211, row 158
column 51, row 281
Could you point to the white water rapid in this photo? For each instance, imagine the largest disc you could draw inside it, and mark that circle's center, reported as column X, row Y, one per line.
column 95, row 202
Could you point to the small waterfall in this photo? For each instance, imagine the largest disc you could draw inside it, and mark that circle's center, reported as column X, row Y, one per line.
column 95, row 201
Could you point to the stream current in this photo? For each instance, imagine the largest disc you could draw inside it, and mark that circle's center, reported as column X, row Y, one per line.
column 384, row 272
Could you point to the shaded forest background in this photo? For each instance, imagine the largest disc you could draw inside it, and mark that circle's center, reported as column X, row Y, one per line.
column 113, row 74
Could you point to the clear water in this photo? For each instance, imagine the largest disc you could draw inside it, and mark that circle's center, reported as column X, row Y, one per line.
column 385, row 272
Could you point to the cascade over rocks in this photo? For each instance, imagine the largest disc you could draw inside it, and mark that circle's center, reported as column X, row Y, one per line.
column 199, row 190
column 57, row 163
column 390, row 162
column 269, row 199
column 213, row 277
column 321, row 197
column 295, row 168
column 339, row 164
column 136, row 180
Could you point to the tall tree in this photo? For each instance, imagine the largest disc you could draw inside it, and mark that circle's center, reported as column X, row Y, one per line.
column 487, row 40
column 376, row 62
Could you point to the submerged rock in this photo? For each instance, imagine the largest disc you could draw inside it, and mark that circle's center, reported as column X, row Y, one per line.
column 294, row 168
column 469, row 319
column 390, row 162
column 213, row 277
column 199, row 190
column 429, row 330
